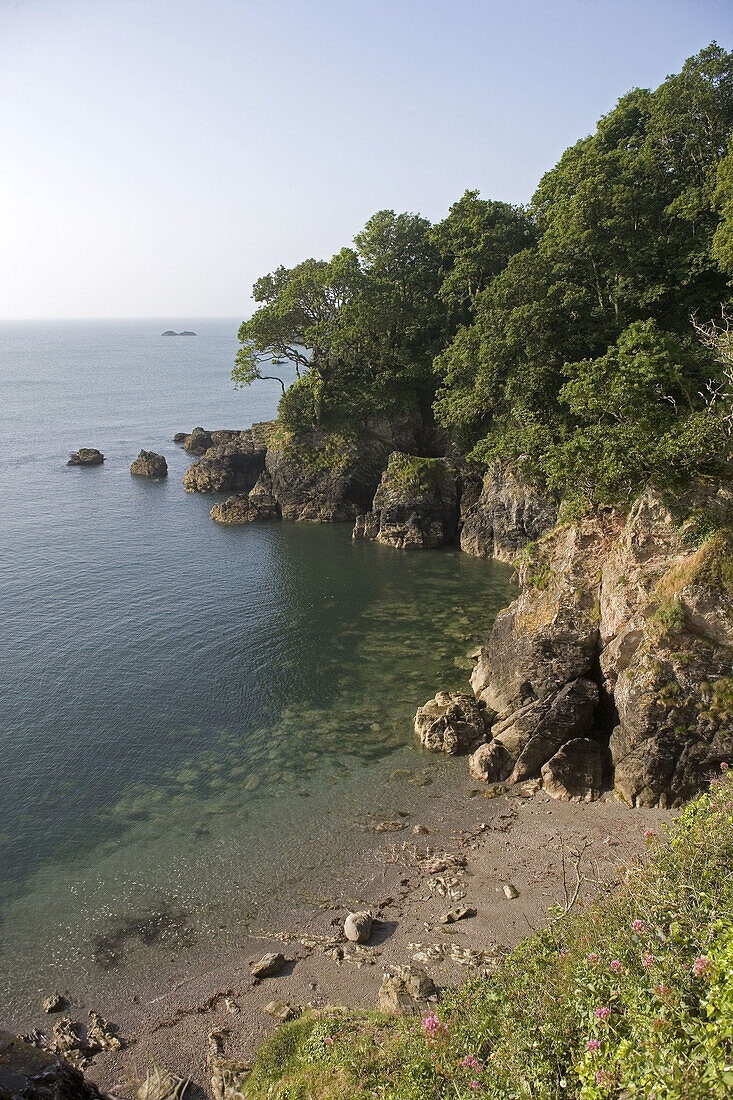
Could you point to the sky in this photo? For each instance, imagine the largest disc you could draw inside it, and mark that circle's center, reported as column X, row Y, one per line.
column 157, row 156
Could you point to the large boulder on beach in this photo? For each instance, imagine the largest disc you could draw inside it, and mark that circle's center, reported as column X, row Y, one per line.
column 407, row 991
column 149, row 464
column 415, row 506
column 86, row 456
column 358, row 927
column 575, row 772
column 452, row 722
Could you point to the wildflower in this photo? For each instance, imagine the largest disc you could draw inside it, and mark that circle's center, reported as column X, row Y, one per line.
column 701, row 966
column 648, row 834
column 474, row 1084
column 328, row 1039
column 562, row 953
column 594, row 1045
column 661, row 990
column 648, row 961
column 603, row 1077
column 432, row 1026
column 602, row 1013
column 714, row 783
column 616, row 966
column 637, row 925
column 724, row 767
column 592, row 958
column 469, row 1062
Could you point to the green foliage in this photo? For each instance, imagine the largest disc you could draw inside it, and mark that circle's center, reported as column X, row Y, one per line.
column 631, row 997
column 421, row 475
column 580, row 360
column 670, row 615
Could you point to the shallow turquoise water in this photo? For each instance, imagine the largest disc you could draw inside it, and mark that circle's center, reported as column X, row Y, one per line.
column 189, row 712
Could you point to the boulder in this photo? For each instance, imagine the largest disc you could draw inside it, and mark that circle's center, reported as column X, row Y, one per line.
column 86, row 456
column 575, row 772
column 407, row 991
column 358, row 927
column 198, row 442
column 491, row 763
column 505, row 516
column 55, row 1002
column 149, row 464
column 269, row 965
column 452, row 722
column 30, row 1073
column 161, row 1085
column 415, row 506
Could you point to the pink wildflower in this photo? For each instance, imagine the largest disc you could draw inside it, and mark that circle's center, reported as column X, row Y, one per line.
column 648, row 961
column 594, row 1045
column 592, row 958
column 432, row 1026
column 602, row 1013
column 469, row 1062
column 474, row 1084
column 637, row 925
column 648, row 834
column 714, row 783
column 603, row 1077
column 701, row 966
column 616, row 966
column 724, row 767
column 661, row 990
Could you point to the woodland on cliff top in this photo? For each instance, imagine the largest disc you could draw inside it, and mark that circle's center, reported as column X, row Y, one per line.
column 561, row 334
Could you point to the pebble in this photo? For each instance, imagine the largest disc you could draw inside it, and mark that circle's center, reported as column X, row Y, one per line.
column 510, row 891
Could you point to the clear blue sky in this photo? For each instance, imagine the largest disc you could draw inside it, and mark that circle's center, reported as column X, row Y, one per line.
column 159, row 155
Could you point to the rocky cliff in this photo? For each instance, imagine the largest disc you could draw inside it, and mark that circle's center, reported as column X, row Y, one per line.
column 415, row 506
column 617, row 657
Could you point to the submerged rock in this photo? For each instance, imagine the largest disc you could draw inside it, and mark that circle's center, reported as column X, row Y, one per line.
column 149, row 464
column 452, row 722
column 415, row 506
column 86, row 456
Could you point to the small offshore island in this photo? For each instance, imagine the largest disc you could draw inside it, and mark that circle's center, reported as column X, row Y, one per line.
column 550, row 387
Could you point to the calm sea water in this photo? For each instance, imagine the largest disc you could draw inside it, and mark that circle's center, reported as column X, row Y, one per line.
column 193, row 717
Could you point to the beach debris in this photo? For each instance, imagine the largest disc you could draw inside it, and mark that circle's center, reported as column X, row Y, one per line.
column 269, row 965
column 465, row 956
column 495, row 789
column 358, row 927
column 510, row 890
column 55, row 1002
column 281, row 1010
column 100, row 1035
column 420, row 830
column 231, row 1006
column 68, row 1041
column 228, row 1076
column 453, row 915
column 406, row 991
column 161, row 1085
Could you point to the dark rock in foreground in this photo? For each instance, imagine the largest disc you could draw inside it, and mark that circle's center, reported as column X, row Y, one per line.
column 86, row 456
column 30, row 1073
column 415, row 506
column 149, row 464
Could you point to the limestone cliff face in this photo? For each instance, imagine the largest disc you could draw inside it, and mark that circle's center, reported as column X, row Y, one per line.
column 415, row 506
column 622, row 637
column 504, row 516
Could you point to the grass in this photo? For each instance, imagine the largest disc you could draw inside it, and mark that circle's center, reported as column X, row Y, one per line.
column 631, row 997
column 421, row 475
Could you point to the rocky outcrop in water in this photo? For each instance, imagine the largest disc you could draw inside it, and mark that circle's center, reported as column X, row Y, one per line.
column 228, row 465
column 86, row 456
column 617, row 656
column 415, row 506
column 149, row 464
column 256, row 506
column 504, row 516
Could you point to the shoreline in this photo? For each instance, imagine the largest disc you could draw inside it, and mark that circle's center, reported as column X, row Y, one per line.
column 522, row 838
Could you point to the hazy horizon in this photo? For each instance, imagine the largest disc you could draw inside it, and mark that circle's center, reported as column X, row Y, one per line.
column 162, row 155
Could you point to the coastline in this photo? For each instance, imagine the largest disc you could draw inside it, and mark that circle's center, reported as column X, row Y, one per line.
column 522, row 837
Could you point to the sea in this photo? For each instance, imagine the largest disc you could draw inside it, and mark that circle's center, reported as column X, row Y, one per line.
column 197, row 722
